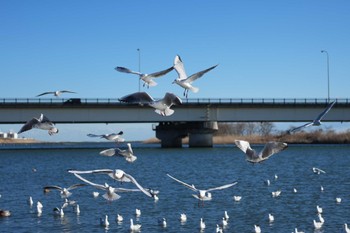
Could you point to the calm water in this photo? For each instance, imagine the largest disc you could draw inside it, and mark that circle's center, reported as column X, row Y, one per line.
column 203, row 167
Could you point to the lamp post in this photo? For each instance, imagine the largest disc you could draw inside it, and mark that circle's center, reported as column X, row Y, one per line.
column 324, row 51
column 139, row 51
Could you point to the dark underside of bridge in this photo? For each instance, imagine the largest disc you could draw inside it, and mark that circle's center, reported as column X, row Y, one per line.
column 200, row 134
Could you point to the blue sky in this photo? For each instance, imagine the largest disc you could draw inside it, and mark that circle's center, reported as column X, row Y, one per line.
column 265, row 49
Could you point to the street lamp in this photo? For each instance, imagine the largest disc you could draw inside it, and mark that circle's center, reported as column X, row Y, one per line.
column 139, row 68
column 324, row 51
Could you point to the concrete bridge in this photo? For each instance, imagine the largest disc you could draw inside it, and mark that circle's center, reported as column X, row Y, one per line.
column 196, row 118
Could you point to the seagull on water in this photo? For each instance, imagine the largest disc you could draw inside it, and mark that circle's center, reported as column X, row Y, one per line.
column 317, row 121
column 296, row 231
column 128, row 154
column 202, row 224
column 110, row 194
column 146, row 78
column 346, row 228
column 104, row 222
column 116, row 137
column 118, row 175
column 39, row 123
column 39, row 208
column 55, row 93
column 183, row 217
column 64, row 191
column 119, row 218
column 317, row 170
column 201, row 193
column 134, row 227
column 183, row 80
column 254, row 157
column 257, row 229
column 162, row 106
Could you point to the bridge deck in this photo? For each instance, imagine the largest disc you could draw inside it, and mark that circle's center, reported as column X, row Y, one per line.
column 94, row 110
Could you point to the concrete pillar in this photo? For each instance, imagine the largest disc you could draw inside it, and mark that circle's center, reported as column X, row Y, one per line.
column 170, row 134
column 201, row 134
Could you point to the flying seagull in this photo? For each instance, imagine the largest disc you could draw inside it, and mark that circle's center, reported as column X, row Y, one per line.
column 202, row 194
column 254, row 157
column 162, row 106
column 317, row 121
column 55, row 93
column 117, row 174
column 128, row 154
column 184, row 81
column 39, row 123
column 111, row 193
column 146, row 78
column 64, row 191
column 111, row 137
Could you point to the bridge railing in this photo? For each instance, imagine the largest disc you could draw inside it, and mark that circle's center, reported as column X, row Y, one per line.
column 114, row 101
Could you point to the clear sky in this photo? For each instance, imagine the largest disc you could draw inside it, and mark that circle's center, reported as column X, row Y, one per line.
column 265, row 49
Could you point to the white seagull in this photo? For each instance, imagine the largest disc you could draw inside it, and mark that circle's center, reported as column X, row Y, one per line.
column 118, row 175
column 201, row 193
column 346, row 228
column 134, row 227
column 104, row 222
column 296, row 231
column 183, row 80
column 128, row 154
column 116, row 137
column 202, row 224
column 183, row 217
column 254, row 157
column 110, row 194
column 64, row 192
column 55, row 93
column 146, row 78
column 317, row 121
column 39, row 123
column 317, row 170
column 162, row 106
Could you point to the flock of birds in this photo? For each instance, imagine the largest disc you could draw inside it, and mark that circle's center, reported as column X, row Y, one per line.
column 162, row 107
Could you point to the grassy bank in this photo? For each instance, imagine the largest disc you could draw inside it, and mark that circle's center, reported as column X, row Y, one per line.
column 313, row 137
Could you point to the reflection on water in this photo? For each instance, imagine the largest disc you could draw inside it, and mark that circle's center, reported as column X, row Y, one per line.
column 25, row 172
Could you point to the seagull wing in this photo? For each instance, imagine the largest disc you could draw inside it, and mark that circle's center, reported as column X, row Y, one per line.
column 74, row 186
column 102, row 171
column 160, row 73
column 273, row 148
column 66, row 91
column 171, row 99
column 89, row 182
column 300, row 127
column 179, row 68
column 319, row 118
column 138, row 185
column 126, row 70
column 183, row 183
column 121, row 190
column 108, row 152
column 199, row 74
column 221, row 187
column 44, row 119
column 46, row 93
column 129, row 148
column 95, row 135
column 28, row 125
column 53, row 187
column 245, row 147
column 137, row 97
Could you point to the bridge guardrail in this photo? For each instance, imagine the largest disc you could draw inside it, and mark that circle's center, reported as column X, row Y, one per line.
column 9, row 101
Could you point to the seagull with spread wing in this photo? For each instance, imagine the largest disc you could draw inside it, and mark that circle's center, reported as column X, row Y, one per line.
column 183, row 80
column 128, row 154
column 146, row 78
column 116, row 174
column 316, row 122
column 55, row 93
column 255, row 157
column 162, row 106
column 111, row 192
column 64, row 191
column 39, row 123
column 116, row 137
column 202, row 194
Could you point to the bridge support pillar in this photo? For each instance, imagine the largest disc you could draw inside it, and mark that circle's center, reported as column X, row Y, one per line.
column 200, row 133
